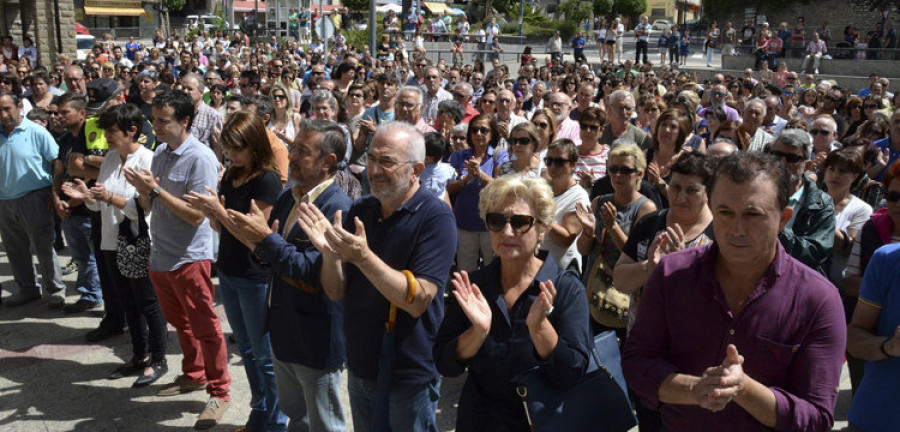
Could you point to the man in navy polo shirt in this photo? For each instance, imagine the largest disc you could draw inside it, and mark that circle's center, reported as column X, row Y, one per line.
column 394, row 247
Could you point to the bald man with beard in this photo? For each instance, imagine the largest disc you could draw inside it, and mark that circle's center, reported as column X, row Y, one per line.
column 561, row 105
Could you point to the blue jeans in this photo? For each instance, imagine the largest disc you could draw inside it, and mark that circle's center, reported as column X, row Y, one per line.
column 245, row 307
column 412, row 409
column 311, row 398
column 78, row 233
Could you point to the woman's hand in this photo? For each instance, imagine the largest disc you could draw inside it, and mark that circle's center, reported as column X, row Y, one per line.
column 542, row 306
column 608, row 214
column 585, row 216
column 77, row 190
column 653, row 175
column 674, row 239
column 212, row 206
column 472, row 303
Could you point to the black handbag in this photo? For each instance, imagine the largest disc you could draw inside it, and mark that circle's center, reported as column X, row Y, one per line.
column 598, row 403
column 133, row 251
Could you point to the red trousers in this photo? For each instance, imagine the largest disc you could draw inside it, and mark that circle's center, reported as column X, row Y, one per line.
column 186, row 298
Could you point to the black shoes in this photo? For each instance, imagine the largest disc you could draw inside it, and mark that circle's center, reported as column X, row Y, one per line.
column 102, row 333
column 133, row 367
column 158, row 369
column 80, row 306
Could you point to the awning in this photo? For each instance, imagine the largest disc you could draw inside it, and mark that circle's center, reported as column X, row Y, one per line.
column 436, row 8
column 249, row 6
column 113, row 11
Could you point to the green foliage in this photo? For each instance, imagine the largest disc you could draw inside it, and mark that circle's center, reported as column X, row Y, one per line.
column 631, row 8
column 356, row 5
column 360, row 38
column 577, row 11
column 602, row 7
column 175, row 5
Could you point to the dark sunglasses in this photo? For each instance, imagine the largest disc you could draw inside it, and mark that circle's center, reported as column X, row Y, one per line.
column 788, row 157
column 787, row 94
column 831, row 98
column 542, row 126
column 480, row 130
column 558, row 162
column 523, row 141
column 719, row 94
column 893, row 197
column 520, row 224
column 618, row 169
column 819, row 132
column 591, row 128
column 870, row 106
column 52, row 113
column 279, row 97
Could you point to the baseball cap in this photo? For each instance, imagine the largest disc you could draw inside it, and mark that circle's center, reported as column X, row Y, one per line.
column 99, row 91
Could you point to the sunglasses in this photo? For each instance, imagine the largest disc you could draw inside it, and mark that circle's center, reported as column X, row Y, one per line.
column 480, row 130
column 788, row 157
column 542, row 126
column 522, row 141
column 279, row 97
column 520, row 224
column 557, row 162
column 870, row 106
column 893, row 197
column 488, row 101
column 787, row 94
column 590, row 128
column 618, row 169
column 819, row 132
column 52, row 113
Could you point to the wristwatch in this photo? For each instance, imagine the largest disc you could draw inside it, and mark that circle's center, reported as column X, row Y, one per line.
column 155, row 192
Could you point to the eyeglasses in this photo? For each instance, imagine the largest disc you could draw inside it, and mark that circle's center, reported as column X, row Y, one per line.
column 6, row 82
column 542, row 125
column 819, row 132
column 522, row 141
column 386, row 163
column 790, row 158
column 893, row 197
column 520, row 224
column 625, row 108
column 787, row 94
column 488, row 101
column 356, row 95
column 870, row 106
column 506, row 101
column 279, row 97
column 52, row 113
column 618, row 169
column 557, row 162
column 719, row 94
column 591, row 128
column 480, row 130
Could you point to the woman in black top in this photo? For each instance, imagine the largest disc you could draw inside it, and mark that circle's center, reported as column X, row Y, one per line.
column 243, row 279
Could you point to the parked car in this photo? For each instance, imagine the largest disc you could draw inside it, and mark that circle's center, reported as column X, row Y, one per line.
column 83, row 45
column 661, row 24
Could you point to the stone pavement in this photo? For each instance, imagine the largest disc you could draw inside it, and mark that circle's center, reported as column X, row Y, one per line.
column 52, row 380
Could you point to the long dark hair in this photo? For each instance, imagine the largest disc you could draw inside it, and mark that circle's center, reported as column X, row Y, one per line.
column 245, row 130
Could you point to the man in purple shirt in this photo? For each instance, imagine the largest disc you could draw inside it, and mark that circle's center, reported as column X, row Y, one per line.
column 737, row 335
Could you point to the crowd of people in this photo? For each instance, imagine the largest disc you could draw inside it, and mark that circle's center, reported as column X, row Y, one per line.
column 401, row 220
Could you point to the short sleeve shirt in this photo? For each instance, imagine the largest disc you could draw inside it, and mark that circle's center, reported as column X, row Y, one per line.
column 234, row 258
column 26, row 157
column 419, row 237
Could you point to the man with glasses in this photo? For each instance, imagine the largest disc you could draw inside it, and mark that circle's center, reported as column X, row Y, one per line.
column 809, row 234
column 716, row 95
column 74, row 78
column 391, row 251
column 833, row 105
column 418, row 76
column 487, row 104
column 619, row 127
column 477, row 85
column 408, row 108
column 434, row 94
column 824, row 138
column 506, row 119
column 561, row 105
column 462, row 93
column 249, row 83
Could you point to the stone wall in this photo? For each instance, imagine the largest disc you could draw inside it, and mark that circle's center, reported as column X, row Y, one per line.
column 37, row 19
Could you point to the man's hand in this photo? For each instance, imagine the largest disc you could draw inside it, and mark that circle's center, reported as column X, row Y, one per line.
column 141, row 179
column 315, row 225
column 352, row 248
column 720, row 385
column 63, row 210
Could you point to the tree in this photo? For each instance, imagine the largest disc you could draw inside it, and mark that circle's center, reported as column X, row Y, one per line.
column 175, row 5
column 602, row 7
column 631, row 8
column 575, row 10
column 356, row 5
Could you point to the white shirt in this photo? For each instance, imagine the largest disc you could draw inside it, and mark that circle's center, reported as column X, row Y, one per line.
column 113, row 178
column 565, row 204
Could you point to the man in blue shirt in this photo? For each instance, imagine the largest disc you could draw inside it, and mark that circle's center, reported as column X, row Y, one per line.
column 578, row 43
column 389, row 259
column 889, row 146
column 28, row 156
column 642, row 32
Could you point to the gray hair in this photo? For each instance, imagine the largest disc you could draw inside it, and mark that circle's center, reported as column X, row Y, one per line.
column 621, row 142
column 795, row 138
column 324, row 95
column 420, row 95
column 465, row 87
column 415, row 143
column 196, row 78
column 757, row 100
column 462, row 128
column 620, row 95
column 331, row 141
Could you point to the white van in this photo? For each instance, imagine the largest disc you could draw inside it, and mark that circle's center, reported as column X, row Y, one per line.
column 83, row 45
